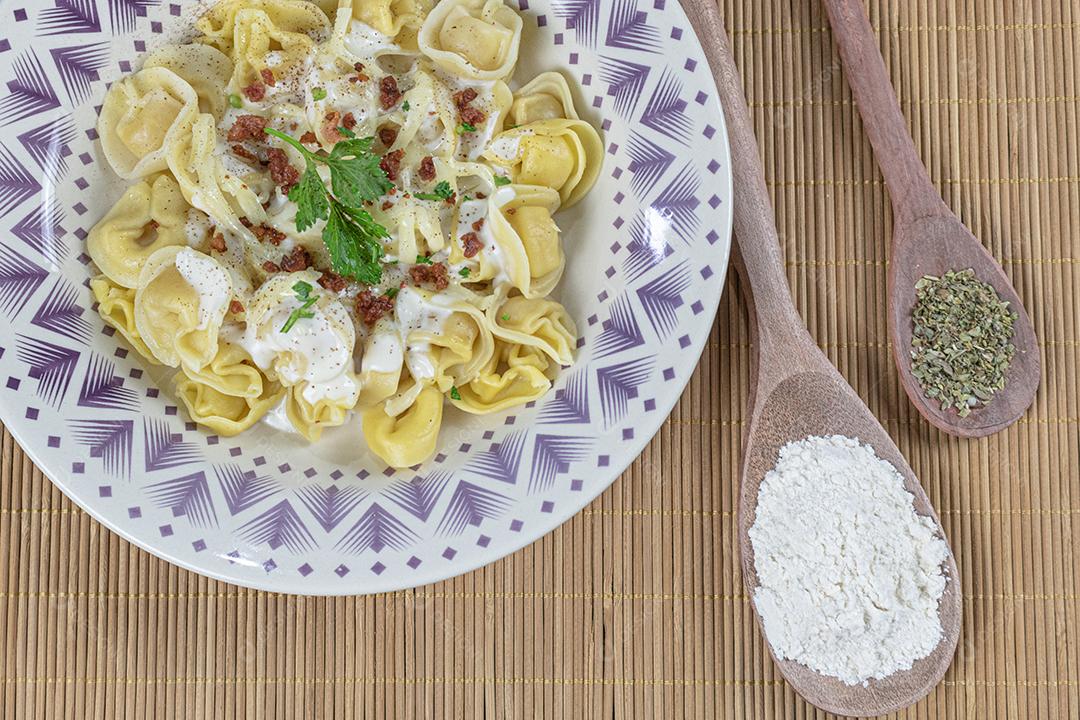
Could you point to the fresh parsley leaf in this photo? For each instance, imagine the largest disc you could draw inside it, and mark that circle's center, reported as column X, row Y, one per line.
column 501, row 180
column 454, row 394
column 466, row 198
column 442, row 191
column 310, row 197
column 346, row 132
column 505, row 317
column 423, row 260
column 391, row 293
column 355, row 175
column 464, row 272
column 318, row 93
column 353, row 239
column 303, row 294
column 464, row 128
column 236, row 101
column 405, row 106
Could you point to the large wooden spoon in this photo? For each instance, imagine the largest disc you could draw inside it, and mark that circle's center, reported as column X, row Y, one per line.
column 796, row 392
column 928, row 238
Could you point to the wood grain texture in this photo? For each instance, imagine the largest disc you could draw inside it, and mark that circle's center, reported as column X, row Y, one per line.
column 655, row 622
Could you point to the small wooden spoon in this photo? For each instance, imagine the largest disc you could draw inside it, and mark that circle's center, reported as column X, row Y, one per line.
column 796, row 392
column 928, row 238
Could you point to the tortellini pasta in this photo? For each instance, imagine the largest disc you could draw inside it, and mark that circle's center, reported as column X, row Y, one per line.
column 428, row 192
column 141, row 117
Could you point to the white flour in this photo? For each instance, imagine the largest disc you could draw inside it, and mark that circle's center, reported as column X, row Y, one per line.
column 850, row 576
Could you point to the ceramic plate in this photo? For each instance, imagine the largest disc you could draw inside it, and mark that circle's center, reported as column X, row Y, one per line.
column 647, row 252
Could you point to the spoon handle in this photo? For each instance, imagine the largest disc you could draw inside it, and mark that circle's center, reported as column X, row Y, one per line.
column 759, row 259
column 912, row 193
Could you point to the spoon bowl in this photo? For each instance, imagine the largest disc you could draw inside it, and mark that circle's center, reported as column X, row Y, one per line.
column 934, row 244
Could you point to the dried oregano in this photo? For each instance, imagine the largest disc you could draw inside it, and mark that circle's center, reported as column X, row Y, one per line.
column 961, row 342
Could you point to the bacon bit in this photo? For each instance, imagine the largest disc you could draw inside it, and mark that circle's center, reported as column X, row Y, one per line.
column 471, row 244
column 265, row 233
column 268, row 76
column 389, row 94
column 296, row 261
column 245, row 222
column 387, row 205
column 281, row 172
column 308, row 138
column 452, row 200
column 332, row 281
column 464, row 97
column 243, row 152
column 427, row 169
column 271, row 267
column 153, row 224
column 371, row 307
column 330, row 125
column 358, row 67
column 511, row 211
column 255, row 92
column 478, row 225
column 235, row 307
column 349, row 121
column 481, row 196
column 393, row 191
column 218, row 243
column 387, row 136
column 247, row 127
column 391, row 164
column 472, row 116
column 435, row 275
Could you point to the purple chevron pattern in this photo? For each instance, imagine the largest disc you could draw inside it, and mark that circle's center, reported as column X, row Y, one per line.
column 419, row 495
column 666, row 110
column 51, row 365
column 47, row 144
column 243, row 489
column 376, row 530
column 42, row 230
column 662, row 297
column 570, row 404
column 186, row 496
column 678, row 203
column 109, row 440
column 471, row 505
column 330, row 505
column 19, row 280
column 61, row 314
column 259, row 509
column 122, row 13
column 102, row 389
column 625, row 81
column 30, row 92
column 628, row 28
column 620, row 332
column 16, row 182
column 582, row 16
column 69, row 17
column 163, row 448
column 501, row 461
column 618, row 384
column 280, row 526
column 78, row 67
column 552, row 455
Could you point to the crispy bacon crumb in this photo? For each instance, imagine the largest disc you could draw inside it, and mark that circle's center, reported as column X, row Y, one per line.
column 371, row 307
column 217, row 243
column 464, row 97
column 271, row 267
column 281, row 172
column 243, row 152
column 427, row 169
column 296, row 261
column 387, row 205
column 332, row 281
column 247, row 127
column 389, row 94
column 391, row 164
column 268, row 76
column 331, row 123
column 471, row 244
column 265, row 233
column 235, row 307
column 308, row 138
column 478, row 224
column 254, row 92
column 387, row 135
column 436, row 275
column 472, row 116
column 349, row 121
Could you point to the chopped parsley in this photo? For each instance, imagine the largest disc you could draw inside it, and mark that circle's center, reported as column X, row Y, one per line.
column 236, row 101
column 501, row 180
column 318, row 93
column 303, row 294
column 351, row 235
column 464, row 272
column 505, row 317
column 391, row 293
column 442, row 192
column 466, row 198
column 454, row 394
column 464, row 128
column 405, row 106
column 423, row 260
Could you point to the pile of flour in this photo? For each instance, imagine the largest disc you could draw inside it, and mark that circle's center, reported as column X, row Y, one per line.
column 850, row 575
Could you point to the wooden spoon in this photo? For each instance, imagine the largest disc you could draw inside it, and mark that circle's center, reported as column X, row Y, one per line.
column 796, row 392
column 928, row 238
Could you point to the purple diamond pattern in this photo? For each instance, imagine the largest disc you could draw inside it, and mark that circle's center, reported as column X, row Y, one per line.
column 666, row 110
column 109, row 440
column 330, row 505
column 41, row 230
column 618, row 384
column 552, row 455
column 625, row 81
column 628, row 28
column 69, row 17
column 419, row 496
column 61, row 315
column 16, row 182
column 101, row 388
column 122, row 13
column 648, row 163
column 646, row 249
column 78, row 66
column 51, row 365
column 570, row 405
column 662, row 297
column 621, row 331
column 162, row 449
column 678, row 203
column 243, row 489
column 581, row 16
column 376, row 530
column 471, row 505
column 186, row 496
column 502, row 461
column 280, row 526
column 30, row 93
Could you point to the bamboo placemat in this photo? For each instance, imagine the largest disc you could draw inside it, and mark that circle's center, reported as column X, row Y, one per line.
column 654, row 623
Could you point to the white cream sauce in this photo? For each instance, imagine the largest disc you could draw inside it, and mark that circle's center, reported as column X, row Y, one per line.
column 209, row 280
